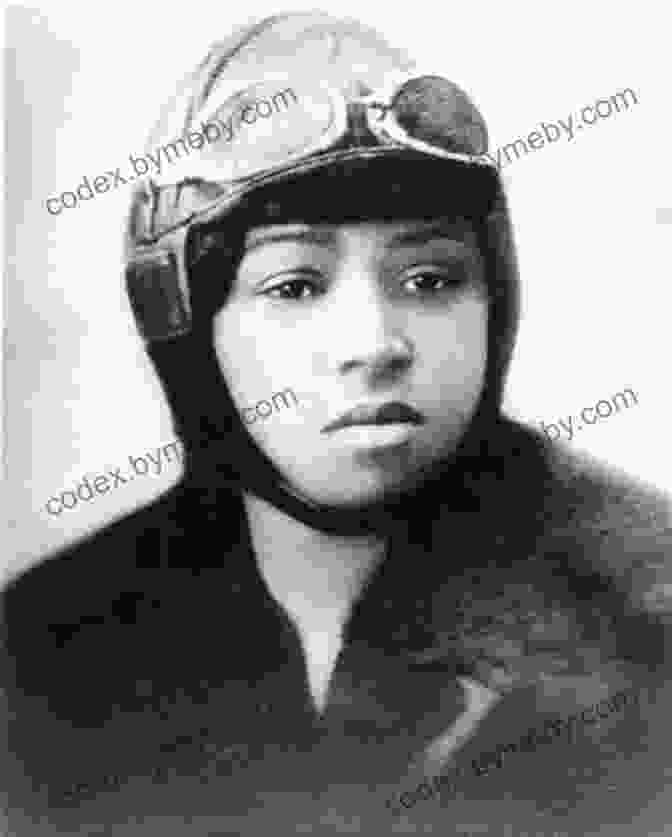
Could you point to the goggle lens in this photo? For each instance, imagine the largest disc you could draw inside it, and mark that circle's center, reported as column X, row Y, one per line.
column 266, row 125
column 435, row 111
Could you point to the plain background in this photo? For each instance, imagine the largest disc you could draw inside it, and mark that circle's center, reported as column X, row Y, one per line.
column 593, row 222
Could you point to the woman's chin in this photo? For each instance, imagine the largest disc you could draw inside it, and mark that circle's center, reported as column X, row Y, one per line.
column 356, row 494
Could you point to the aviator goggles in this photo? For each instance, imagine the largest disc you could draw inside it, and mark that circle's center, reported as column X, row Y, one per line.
column 269, row 125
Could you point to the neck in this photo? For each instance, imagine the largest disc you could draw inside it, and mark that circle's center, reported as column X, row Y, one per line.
column 311, row 573
column 316, row 578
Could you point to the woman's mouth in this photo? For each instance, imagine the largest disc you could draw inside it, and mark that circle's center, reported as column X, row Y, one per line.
column 377, row 426
column 377, row 416
column 377, row 435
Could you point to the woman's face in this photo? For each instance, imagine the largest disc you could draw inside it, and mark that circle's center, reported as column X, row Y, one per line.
column 352, row 318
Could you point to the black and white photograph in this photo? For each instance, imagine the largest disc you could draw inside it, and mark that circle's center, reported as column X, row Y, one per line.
column 306, row 311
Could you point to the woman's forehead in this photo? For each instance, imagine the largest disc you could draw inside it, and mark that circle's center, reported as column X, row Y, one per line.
column 392, row 234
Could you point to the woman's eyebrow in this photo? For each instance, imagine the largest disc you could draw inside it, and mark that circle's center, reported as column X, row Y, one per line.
column 430, row 232
column 298, row 233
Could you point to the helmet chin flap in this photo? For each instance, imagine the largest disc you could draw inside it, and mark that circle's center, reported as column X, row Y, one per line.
column 166, row 217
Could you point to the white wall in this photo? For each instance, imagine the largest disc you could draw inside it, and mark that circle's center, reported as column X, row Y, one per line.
column 593, row 219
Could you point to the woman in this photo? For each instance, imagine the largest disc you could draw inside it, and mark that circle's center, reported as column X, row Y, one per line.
column 341, row 606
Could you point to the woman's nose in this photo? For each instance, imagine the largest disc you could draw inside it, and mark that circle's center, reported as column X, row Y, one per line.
column 372, row 335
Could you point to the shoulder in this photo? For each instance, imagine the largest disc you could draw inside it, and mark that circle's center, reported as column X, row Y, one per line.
column 604, row 487
column 146, row 564
column 592, row 512
column 70, row 602
column 129, row 604
column 160, row 534
column 619, row 525
column 98, row 561
column 568, row 569
column 544, row 499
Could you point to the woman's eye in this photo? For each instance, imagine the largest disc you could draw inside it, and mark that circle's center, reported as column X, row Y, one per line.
column 294, row 289
column 433, row 281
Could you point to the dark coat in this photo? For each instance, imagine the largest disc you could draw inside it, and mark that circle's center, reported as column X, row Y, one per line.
column 156, row 687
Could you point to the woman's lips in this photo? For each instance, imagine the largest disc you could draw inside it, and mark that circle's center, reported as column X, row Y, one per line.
column 376, row 417
column 377, row 435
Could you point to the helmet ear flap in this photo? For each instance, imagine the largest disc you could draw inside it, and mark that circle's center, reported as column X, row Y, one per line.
column 158, row 292
column 156, row 271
